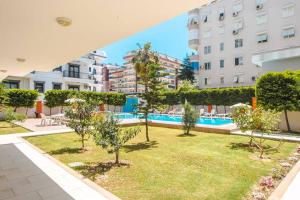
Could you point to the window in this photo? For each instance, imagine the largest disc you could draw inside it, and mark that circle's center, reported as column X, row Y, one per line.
column 205, row 18
column 39, row 86
column 222, row 46
column 259, row 4
column 11, row 84
column 74, row 71
column 207, row 66
column 207, row 49
column 74, row 87
column 253, row 78
column 238, row 79
column 238, row 61
column 222, row 63
column 221, row 14
column 222, row 80
column 288, row 10
column 262, row 38
column 94, row 89
column 205, row 81
column 56, row 86
column 288, row 32
column 237, row 8
column 90, row 69
column 261, row 18
column 238, row 43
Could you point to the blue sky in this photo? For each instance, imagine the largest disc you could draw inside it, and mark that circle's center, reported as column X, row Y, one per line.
column 170, row 37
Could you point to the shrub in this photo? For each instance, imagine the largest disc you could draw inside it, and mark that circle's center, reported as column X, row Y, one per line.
column 280, row 92
column 10, row 116
column 189, row 118
column 21, row 98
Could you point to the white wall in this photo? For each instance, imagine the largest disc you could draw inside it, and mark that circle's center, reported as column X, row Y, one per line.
column 281, row 65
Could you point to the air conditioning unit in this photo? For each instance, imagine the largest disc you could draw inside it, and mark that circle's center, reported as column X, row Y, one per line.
column 235, row 32
column 235, row 14
column 221, row 17
column 259, row 6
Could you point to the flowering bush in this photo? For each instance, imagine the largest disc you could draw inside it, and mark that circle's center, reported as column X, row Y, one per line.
column 267, row 182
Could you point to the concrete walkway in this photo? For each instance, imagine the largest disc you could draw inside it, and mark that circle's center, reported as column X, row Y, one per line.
column 56, row 177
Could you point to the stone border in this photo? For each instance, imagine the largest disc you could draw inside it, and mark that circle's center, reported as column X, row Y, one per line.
column 74, row 173
column 282, row 188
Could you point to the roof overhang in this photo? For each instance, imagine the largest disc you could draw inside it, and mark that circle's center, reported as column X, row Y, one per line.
column 31, row 39
column 280, row 54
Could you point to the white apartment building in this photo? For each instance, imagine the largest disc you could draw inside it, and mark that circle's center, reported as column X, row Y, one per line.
column 86, row 73
column 238, row 40
column 124, row 79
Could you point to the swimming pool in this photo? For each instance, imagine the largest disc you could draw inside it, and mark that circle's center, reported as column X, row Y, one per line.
column 171, row 118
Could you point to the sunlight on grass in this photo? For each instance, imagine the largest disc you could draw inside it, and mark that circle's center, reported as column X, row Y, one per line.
column 7, row 128
column 203, row 166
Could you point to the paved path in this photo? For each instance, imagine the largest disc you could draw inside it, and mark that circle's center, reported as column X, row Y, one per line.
column 18, row 153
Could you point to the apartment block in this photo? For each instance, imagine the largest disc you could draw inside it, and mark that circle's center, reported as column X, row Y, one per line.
column 124, row 79
column 86, row 73
column 238, row 40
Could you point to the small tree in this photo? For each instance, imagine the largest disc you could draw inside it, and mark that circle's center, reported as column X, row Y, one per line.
column 187, row 72
column 189, row 118
column 186, row 86
column 109, row 135
column 149, row 71
column 21, row 98
column 11, row 116
column 280, row 92
column 80, row 118
column 260, row 121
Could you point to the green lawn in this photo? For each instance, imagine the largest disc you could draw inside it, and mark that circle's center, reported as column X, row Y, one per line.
column 6, row 128
column 204, row 166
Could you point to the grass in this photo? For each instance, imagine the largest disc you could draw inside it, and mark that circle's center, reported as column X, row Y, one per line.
column 7, row 128
column 172, row 166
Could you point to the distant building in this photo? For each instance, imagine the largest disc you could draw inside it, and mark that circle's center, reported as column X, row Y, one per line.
column 86, row 73
column 238, row 40
column 124, row 79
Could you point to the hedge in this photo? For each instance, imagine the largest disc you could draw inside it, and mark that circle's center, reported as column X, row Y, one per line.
column 55, row 98
column 21, row 98
column 224, row 96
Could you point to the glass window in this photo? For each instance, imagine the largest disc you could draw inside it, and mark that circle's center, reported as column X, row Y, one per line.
column 288, row 32
column 222, row 46
column 222, row 79
column 261, row 18
column 237, row 8
column 262, row 37
column 238, row 61
column 56, row 86
column 288, row 10
column 207, row 49
column 74, row 71
column 222, row 63
column 238, row 43
column 39, row 86
column 74, row 87
column 238, row 25
column 11, row 84
column 205, row 81
column 207, row 66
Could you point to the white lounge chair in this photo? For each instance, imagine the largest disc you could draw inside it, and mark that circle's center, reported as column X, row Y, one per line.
column 202, row 112
column 45, row 120
column 211, row 114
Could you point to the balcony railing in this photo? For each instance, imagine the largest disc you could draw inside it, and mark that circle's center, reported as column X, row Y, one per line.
column 80, row 75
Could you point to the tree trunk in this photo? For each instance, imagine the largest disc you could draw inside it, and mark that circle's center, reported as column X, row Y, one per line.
column 117, row 157
column 82, row 142
column 61, row 109
column 146, row 123
column 251, row 140
column 187, row 131
column 287, row 121
column 261, row 152
column 50, row 111
column 15, row 110
column 26, row 111
column 217, row 109
column 225, row 109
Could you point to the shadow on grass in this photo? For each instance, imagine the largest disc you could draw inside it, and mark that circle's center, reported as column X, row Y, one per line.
column 186, row 135
column 92, row 170
column 245, row 146
column 140, row 146
column 65, row 150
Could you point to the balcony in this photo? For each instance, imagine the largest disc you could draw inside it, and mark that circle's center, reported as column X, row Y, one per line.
column 194, row 58
column 194, row 44
column 79, row 75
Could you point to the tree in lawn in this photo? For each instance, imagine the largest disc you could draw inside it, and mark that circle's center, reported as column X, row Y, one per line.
column 280, row 92
column 260, row 121
column 149, row 72
column 80, row 116
column 186, row 72
column 109, row 135
column 189, row 118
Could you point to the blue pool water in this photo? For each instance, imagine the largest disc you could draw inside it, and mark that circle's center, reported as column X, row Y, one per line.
column 170, row 118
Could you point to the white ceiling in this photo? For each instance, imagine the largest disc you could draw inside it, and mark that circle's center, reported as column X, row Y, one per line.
column 28, row 28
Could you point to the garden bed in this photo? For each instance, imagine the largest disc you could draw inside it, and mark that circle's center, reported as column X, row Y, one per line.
column 171, row 166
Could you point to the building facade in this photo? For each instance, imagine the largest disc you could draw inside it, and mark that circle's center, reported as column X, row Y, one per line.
column 124, row 79
column 237, row 40
column 86, row 73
